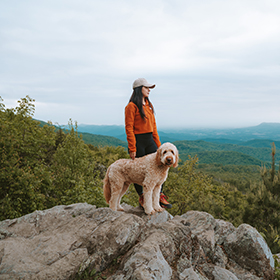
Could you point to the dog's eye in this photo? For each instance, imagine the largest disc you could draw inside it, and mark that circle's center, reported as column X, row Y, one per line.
column 164, row 152
column 172, row 152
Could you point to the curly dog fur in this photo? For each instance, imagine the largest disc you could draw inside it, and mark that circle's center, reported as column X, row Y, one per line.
column 149, row 171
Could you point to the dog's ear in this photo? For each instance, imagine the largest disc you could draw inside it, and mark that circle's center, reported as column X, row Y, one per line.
column 158, row 157
column 176, row 158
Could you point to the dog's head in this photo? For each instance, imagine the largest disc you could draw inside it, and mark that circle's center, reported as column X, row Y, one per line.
column 167, row 154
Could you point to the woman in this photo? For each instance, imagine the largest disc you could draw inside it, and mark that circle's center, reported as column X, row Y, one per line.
column 141, row 129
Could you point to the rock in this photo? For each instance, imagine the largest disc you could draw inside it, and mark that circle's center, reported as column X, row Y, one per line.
column 221, row 273
column 157, row 218
column 154, row 256
column 39, row 243
column 248, row 249
column 65, row 242
column 203, row 225
column 189, row 274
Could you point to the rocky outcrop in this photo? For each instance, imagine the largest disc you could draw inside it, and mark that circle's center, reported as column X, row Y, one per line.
column 70, row 242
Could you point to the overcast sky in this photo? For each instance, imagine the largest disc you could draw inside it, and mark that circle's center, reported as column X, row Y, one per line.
column 215, row 63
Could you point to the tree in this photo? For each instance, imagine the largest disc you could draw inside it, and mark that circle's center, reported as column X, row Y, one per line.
column 24, row 147
column 75, row 173
column 263, row 208
column 41, row 168
column 190, row 190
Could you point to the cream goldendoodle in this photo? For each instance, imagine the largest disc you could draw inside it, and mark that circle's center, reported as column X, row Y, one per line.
column 149, row 171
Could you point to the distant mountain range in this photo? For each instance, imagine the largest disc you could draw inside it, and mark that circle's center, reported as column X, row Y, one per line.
column 234, row 136
column 243, row 146
column 91, row 138
column 239, row 146
column 255, row 152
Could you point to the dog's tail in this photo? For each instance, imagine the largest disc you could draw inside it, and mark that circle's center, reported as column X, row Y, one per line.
column 106, row 186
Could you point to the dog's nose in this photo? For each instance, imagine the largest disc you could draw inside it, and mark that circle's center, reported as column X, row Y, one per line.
column 168, row 160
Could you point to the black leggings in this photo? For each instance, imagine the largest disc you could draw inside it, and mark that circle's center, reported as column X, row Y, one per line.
column 145, row 145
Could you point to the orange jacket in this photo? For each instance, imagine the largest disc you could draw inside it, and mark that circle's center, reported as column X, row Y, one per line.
column 134, row 124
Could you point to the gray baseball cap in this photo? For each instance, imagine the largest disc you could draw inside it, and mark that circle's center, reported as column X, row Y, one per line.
column 142, row 82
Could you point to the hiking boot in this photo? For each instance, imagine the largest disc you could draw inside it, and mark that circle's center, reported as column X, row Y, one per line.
column 141, row 201
column 163, row 202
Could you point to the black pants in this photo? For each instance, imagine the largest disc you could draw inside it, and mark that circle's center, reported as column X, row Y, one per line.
column 145, row 145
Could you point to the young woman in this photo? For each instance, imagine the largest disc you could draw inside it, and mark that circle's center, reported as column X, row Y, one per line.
column 141, row 129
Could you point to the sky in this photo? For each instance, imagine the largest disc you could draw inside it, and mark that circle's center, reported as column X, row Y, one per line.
column 215, row 63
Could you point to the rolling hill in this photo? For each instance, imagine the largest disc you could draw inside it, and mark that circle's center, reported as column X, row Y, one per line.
column 210, row 150
column 234, row 135
column 94, row 139
column 261, row 131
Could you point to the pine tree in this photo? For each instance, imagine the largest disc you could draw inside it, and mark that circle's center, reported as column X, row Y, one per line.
column 263, row 207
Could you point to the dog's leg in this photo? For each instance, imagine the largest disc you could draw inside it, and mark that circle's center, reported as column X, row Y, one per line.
column 148, row 203
column 115, row 194
column 124, row 189
column 156, row 195
column 113, row 203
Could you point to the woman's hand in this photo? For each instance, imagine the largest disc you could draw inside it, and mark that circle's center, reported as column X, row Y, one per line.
column 132, row 155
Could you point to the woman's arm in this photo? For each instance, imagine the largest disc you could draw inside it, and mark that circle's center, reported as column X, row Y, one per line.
column 130, row 111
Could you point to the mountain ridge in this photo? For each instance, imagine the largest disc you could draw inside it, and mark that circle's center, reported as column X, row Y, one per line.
column 227, row 153
column 209, row 150
column 262, row 131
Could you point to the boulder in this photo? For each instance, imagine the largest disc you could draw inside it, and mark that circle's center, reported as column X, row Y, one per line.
column 248, row 249
column 70, row 242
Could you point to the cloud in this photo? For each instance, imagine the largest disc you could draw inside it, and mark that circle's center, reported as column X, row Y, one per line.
column 214, row 62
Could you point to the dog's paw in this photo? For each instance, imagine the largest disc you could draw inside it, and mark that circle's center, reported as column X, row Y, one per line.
column 120, row 208
column 159, row 209
column 152, row 212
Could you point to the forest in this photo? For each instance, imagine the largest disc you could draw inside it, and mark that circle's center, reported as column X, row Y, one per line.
column 42, row 165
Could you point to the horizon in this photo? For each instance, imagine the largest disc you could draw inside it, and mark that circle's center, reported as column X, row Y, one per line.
column 182, row 128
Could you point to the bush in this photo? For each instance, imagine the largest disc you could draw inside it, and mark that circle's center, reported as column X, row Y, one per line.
column 41, row 167
column 24, row 148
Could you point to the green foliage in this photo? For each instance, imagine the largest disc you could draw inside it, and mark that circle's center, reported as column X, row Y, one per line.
column 108, row 154
column 227, row 157
column 222, row 153
column 92, row 139
column 41, row 167
column 76, row 177
column 24, row 148
column 235, row 203
column 191, row 190
column 103, row 141
column 263, row 207
column 238, row 176
column 88, row 274
column 260, row 143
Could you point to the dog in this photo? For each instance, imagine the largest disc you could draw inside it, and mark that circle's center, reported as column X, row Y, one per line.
column 149, row 171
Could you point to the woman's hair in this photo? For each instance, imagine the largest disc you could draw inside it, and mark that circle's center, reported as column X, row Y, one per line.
column 137, row 98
